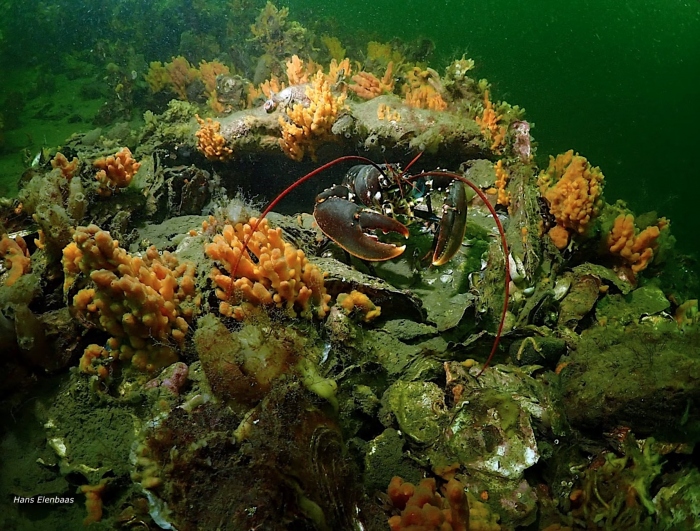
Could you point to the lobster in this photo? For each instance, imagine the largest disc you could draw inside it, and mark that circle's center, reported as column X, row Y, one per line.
column 346, row 222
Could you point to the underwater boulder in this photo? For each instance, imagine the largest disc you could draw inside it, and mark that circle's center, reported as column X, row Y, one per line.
column 643, row 376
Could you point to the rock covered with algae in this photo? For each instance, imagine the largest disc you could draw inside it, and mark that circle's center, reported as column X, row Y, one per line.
column 655, row 372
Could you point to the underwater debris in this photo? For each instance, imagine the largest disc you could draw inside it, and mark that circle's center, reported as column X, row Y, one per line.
column 614, row 491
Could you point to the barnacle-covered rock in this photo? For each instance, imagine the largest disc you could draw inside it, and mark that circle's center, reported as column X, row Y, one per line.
column 385, row 458
column 288, row 449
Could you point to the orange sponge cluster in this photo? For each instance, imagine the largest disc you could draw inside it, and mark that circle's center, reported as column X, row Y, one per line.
column 116, row 171
column 210, row 142
column 490, row 124
column 636, row 247
column 303, row 127
column 67, row 169
column 368, row 86
column 573, row 189
column 144, row 303
column 16, row 256
column 270, row 272
column 358, row 301
column 499, row 189
column 422, row 90
column 423, row 509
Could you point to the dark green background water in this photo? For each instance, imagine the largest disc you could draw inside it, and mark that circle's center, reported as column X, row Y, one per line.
column 616, row 81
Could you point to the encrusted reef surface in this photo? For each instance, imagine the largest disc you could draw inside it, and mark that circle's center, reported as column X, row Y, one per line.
column 173, row 360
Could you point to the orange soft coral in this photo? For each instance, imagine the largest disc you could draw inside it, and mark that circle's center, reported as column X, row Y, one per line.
column 209, row 71
column 143, row 302
column 210, row 141
column 573, row 188
column 358, row 301
column 68, row 169
column 116, row 171
column 303, row 127
column 93, row 501
column 16, row 257
column 635, row 247
column 423, row 90
column 297, row 73
column 182, row 74
column 503, row 197
column 424, row 509
column 279, row 275
column 559, row 236
column 179, row 74
column 489, row 123
column 271, row 85
column 385, row 112
column 338, row 71
column 367, row 86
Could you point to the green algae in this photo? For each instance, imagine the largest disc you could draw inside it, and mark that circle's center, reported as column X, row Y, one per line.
column 385, row 458
column 624, row 309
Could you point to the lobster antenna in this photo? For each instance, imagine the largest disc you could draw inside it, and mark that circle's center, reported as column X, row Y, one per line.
column 504, row 244
column 398, row 177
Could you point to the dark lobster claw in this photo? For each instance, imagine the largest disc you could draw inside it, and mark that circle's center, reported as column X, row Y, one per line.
column 453, row 224
column 345, row 223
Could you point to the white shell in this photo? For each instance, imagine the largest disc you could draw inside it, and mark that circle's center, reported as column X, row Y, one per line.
column 561, row 288
column 517, row 269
